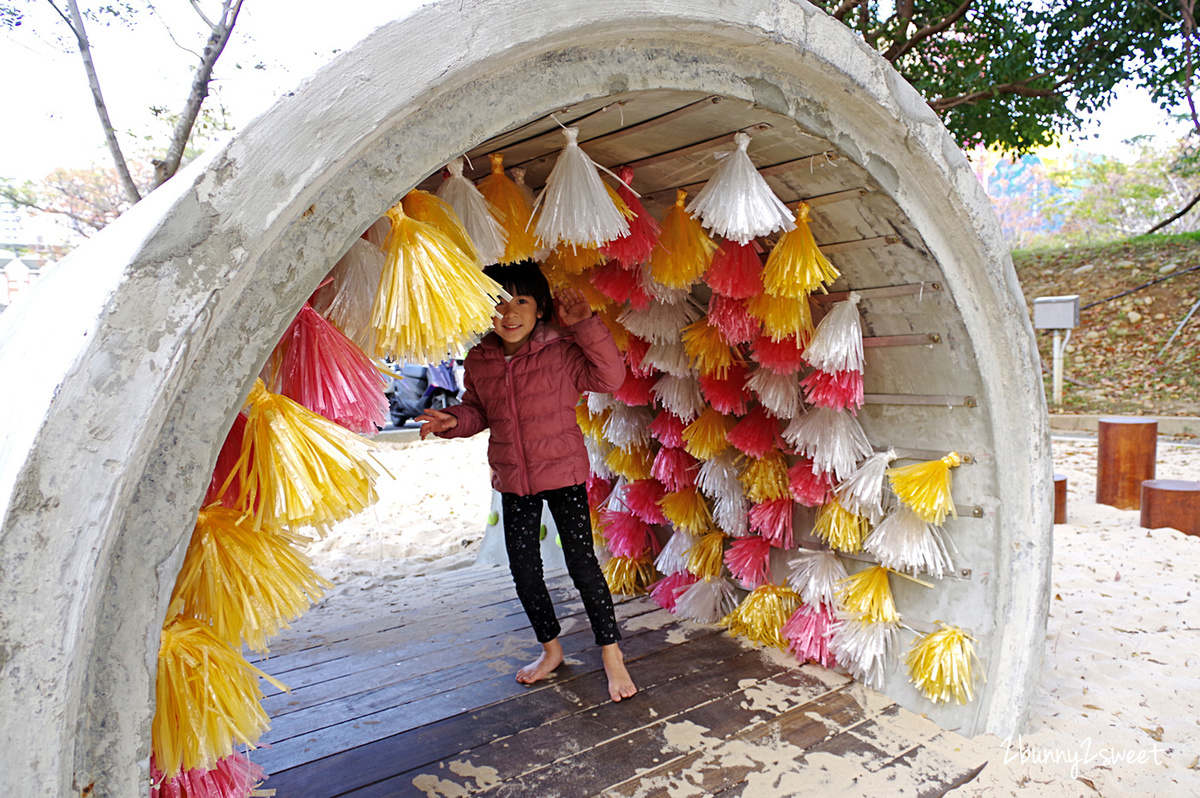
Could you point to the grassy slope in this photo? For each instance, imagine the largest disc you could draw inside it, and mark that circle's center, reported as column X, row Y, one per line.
column 1114, row 352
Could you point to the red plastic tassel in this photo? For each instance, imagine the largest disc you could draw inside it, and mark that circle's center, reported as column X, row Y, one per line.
column 736, row 270
column 234, row 776
column 227, row 459
column 785, row 356
column 773, row 520
column 665, row 591
column 733, row 320
column 323, row 370
column 642, row 496
column 840, row 390
column 616, row 282
column 628, row 535
column 675, row 469
column 807, row 634
column 635, row 357
column 598, row 490
column 635, row 391
column 749, row 559
column 728, row 394
column 633, row 248
column 667, row 428
column 756, row 434
column 807, row 488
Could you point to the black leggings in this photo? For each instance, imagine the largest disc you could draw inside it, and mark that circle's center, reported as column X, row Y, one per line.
column 522, row 524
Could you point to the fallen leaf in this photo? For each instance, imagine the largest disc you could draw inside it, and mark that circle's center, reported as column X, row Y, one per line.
column 1088, row 782
column 1093, row 706
column 1156, row 734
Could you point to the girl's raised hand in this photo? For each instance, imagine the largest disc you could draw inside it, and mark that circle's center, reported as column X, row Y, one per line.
column 573, row 307
column 436, row 421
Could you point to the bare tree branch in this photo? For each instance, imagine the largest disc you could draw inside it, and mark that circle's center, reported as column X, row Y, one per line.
column 1177, row 215
column 844, row 8
column 200, row 12
column 1022, row 88
column 900, row 48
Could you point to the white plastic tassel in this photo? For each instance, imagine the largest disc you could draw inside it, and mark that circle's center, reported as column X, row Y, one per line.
column 718, row 477
column 905, row 542
column 836, row 344
column 736, row 202
column 659, row 292
column 779, row 393
column 863, row 647
column 707, row 601
column 598, row 402
column 680, row 395
column 862, row 492
column 732, row 515
column 660, row 323
column 832, row 439
column 627, row 426
column 355, row 283
column 815, row 574
column 671, row 358
column 598, row 452
column 474, row 212
column 575, row 207
column 673, row 557
column 616, row 500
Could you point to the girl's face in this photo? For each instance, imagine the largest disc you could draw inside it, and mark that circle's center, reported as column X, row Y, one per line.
column 515, row 322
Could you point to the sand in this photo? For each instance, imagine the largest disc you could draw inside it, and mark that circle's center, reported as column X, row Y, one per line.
column 1117, row 709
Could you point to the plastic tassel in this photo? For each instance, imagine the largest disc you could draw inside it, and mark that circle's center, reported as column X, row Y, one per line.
column 628, row 426
column 246, row 584
column 749, row 560
column 227, row 462
column 718, row 477
column 666, row 591
column 667, row 428
column 599, row 489
column 632, row 462
column 736, row 271
column 795, row 268
column 833, row 440
column 905, row 542
column 635, row 357
column 233, row 776
column 475, row 213
column 783, row 317
column 628, row 535
column 836, row 344
column 862, row 491
column 808, row 487
column 598, row 453
column 207, row 698
column 575, row 206
column 839, row 528
column 815, row 575
column 620, row 335
column 666, row 294
column 807, row 634
column 630, row 576
column 513, row 210
column 355, row 283
column 674, row 468
column 779, row 393
column 674, row 556
column 765, row 478
column 518, row 177
column 706, row 556
column 684, row 250
column 661, row 322
column 569, row 260
column 590, row 424
column 842, row 390
column 681, row 396
column 733, row 320
column 432, row 300
column 773, row 520
column 378, row 232
column 756, row 434
column 864, row 648
column 868, row 595
column 687, row 509
column 434, row 211
column 670, row 359
column 943, row 665
column 727, row 394
column 618, row 283
column 306, row 470
column 705, row 437
column 642, row 496
column 707, row 601
column 736, row 202
column 600, row 402
column 634, row 247
column 731, row 514
column 762, row 614
column 706, row 348
column 782, row 356
column 925, row 487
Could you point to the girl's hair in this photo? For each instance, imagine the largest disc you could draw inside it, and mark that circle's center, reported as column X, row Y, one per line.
column 524, row 277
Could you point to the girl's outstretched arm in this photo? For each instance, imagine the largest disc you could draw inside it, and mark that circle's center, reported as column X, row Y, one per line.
column 436, row 421
column 572, row 307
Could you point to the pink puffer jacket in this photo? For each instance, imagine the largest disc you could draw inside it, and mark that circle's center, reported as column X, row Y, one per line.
column 529, row 403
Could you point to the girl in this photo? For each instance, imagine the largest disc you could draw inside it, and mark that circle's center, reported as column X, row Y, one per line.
column 522, row 382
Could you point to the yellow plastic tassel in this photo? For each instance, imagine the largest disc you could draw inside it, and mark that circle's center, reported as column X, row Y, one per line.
column 591, row 424
column 765, row 478
column 630, row 576
column 684, row 251
column 568, row 259
column 433, row 299
column 621, row 204
column 762, row 614
column 868, row 596
column 207, row 699
column 925, row 487
column 688, row 510
column 633, row 462
column 619, row 332
column 706, row 348
column 943, row 665
column 795, row 268
column 596, row 300
column 783, row 317
column 706, row 557
column 841, row 529
column 245, row 584
column 305, row 470
column 437, row 213
column 704, row 438
column 513, row 211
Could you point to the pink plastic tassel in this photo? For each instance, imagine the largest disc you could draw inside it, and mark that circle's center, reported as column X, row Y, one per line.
column 667, row 428
column 735, row 323
column 642, row 496
column 628, row 535
column 840, row 390
column 234, row 776
column 635, row 357
column 728, row 394
column 773, row 520
column 756, row 434
column 807, row 633
column 675, row 468
column 635, row 391
column 748, row 559
column 598, row 490
column 227, row 459
column 785, row 356
column 634, row 248
column 736, row 270
column 808, row 488
column 665, row 591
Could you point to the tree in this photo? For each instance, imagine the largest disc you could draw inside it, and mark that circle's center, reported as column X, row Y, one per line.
column 87, row 199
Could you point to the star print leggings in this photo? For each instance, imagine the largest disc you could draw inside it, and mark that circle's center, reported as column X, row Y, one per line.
column 522, row 525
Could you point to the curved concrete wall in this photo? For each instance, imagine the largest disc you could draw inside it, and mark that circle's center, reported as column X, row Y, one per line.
column 131, row 358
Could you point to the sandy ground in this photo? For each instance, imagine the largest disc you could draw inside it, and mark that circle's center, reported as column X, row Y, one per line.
column 1118, row 709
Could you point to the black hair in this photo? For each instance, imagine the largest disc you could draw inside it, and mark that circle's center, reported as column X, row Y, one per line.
column 524, row 277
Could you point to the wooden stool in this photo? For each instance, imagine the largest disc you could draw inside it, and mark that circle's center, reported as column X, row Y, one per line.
column 1171, row 502
column 1124, row 460
column 1060, row 499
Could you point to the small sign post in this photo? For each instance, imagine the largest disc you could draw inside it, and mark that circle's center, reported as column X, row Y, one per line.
column 1059, row 314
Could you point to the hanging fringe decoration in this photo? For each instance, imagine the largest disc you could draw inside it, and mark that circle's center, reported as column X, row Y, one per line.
column 675, row 468
column 815, row 576
column 233, row 776
column 591, row 423
column 795, row 268
column 661, row 322
column 513, row 210
column 779, row 393
column 635, row 390
column 864, row 648
column 684, row 250
column 736, row 202
column 731, row 514
column 620, row 334
column 599, row 402
column 943, row 665
column 518, row 176
column 765, row 478
column 627, row 535
column 807, row 487
column 356, row 279
column 756, row 434
column 707, row 601
column 634, row 247
column 567, row 260
column 223, row 488
column 575, row 206
column 670, row 358
column 598, row 453
column 642, row 497
column 807, row 633
column 925, row 487
column 762, row 614
column 841, row 529
column 674, row 557
column 632, row 462
column 862, row 492
column 841, row 390
column 666, row 591
column 706, row 556
column 378, row 232
column 905, row 542
column 630, row 576
column 733, row 320
column 681, row 396
column 635, row 354
column 432, row 210
column 867, row 595
column 619, row 284
column 773, row 520
column 718, row 477
column 727, row 394
column 783, row 317
column 837, row 343
column 833, row 440
column 667, row 428
column 749, row 560
column 709, row 353
column 628, row 426
column 599, row 489
column 474, row 212
column 736, row 271
column 688, row 510
column 705, row 437
column 784, row 356
column 667, row 295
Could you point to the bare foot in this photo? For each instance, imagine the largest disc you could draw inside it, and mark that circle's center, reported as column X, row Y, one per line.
column 620, row 684
column 543, row 666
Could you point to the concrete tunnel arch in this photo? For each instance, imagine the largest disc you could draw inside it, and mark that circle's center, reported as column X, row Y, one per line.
column 136, row 352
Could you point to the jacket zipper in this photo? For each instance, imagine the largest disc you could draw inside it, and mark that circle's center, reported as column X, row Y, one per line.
column 512, row 413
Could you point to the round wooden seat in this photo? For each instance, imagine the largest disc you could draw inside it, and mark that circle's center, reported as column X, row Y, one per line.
column 1124, row 459
column 1171, row 502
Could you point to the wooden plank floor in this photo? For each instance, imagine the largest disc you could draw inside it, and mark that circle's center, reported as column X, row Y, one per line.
column 418, row 698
